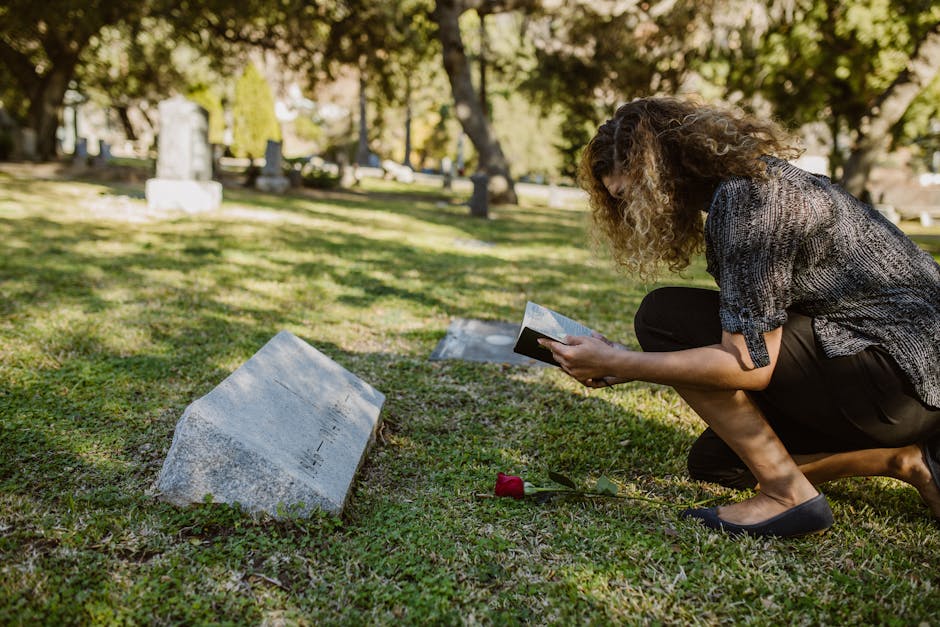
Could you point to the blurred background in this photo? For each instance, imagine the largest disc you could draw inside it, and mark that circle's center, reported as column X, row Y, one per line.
column 513, row 88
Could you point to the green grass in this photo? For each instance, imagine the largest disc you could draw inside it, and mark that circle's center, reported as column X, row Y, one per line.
column 113, row 320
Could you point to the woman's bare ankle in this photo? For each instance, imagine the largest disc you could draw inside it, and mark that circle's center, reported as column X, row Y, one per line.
column 908, row 465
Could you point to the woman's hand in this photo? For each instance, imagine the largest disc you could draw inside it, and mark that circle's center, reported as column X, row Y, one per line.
column 587, row 359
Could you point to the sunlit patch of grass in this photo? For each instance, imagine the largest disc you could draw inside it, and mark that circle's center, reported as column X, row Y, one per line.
column 114, row 319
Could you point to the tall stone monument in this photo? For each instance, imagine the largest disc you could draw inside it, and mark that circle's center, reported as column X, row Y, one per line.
column 285, row 434
column 184, row 160
column 272, row 177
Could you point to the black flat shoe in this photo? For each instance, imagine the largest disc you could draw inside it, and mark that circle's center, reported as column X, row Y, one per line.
column 813, row 516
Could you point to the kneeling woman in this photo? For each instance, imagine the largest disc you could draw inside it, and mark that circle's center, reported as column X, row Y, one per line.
column 818, row 357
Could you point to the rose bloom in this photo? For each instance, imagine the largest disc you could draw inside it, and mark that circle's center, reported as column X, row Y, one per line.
column 508, row 485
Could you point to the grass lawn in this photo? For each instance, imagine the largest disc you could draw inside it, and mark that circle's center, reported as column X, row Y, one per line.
column 113, row 320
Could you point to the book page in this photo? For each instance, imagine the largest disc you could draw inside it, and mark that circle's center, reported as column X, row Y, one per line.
column 551, row 323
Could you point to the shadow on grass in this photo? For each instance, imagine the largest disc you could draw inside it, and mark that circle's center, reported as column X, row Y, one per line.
column 110, row 329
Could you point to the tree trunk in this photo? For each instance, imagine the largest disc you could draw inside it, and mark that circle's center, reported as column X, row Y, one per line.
column 45, row 102
column 362, row 152
column 467, row 105
column 407, row 160
column 875, row 130
column 129, row 131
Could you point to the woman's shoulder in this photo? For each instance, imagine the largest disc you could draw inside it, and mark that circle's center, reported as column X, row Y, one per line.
column 781, row 178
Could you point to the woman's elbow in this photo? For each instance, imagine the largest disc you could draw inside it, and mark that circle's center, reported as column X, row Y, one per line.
column 758, row 379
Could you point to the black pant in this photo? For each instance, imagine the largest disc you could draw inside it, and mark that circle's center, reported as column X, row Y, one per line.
column 814, row 404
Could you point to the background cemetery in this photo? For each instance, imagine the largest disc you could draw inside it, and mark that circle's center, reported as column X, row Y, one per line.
column 243, row 253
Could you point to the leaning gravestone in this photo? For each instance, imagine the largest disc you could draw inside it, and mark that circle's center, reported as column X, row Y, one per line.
column 184, row 160
column 272, row 177
column 284, row 434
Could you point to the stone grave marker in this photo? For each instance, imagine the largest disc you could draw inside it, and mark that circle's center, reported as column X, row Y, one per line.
column 482, row 340
column 285, row 434
column 184, row 160
column 272, row 177
column 80, row 156
column 104, row 154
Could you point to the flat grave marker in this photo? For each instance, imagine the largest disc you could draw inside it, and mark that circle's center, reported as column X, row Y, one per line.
column 483, row 341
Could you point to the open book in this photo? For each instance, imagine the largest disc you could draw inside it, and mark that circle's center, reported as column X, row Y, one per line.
column 541, row 322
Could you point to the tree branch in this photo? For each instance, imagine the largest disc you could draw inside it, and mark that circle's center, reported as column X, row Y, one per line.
column 21, row 68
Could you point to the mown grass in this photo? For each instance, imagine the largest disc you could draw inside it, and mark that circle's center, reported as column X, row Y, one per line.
column 113, row 320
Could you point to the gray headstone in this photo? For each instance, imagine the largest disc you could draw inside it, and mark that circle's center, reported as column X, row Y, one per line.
column 81, row 149
column 183, row 152
column 272, row 159
column 104, row 153
column 184, row 160
column 272, row 177
column 482, row 340
column 285, row 433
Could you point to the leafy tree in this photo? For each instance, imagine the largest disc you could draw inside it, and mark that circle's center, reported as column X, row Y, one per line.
column 41, row 44
column 390, row 45
column 253, row 119
column 209, row 99
column 470, row 111
column 588, row 57
column 857, row 65
column 131, row 65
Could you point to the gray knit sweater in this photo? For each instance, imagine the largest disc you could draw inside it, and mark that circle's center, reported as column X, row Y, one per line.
column 796, row 240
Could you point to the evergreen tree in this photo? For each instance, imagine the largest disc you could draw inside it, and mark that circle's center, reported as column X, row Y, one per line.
column 208, row 98
column 254, row 121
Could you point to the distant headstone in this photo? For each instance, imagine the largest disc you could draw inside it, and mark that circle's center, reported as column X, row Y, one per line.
column 184, row 160
column 272, row 177
column 447, row 169
column 80, row 156
column 479, row 200
column 481, row 340
column 285, row 434
column 104, row 154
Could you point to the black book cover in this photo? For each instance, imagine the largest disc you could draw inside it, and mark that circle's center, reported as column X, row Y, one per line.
column 539, row 322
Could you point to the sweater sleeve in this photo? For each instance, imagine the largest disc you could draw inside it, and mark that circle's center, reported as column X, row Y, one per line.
column 752, row 238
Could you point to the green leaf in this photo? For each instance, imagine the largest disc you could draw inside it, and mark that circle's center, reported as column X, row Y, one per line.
column 563, row 480
column 607, row 487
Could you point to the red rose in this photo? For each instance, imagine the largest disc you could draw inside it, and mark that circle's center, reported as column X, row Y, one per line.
column 508, row 485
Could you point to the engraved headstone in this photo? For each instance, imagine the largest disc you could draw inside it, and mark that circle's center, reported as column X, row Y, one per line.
column 184, row 160
column 481, row 340
column 272, row 177
column 285, row 434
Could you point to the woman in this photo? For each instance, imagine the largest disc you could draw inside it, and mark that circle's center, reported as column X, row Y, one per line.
column 817, row 358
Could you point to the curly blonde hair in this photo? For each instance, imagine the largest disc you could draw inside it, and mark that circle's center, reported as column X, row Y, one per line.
column 672, row 154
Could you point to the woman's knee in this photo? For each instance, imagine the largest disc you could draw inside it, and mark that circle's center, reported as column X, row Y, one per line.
column 648, row 321
column 675, row 318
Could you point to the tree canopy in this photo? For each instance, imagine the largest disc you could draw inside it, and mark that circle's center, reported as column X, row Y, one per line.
column 865, row 69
